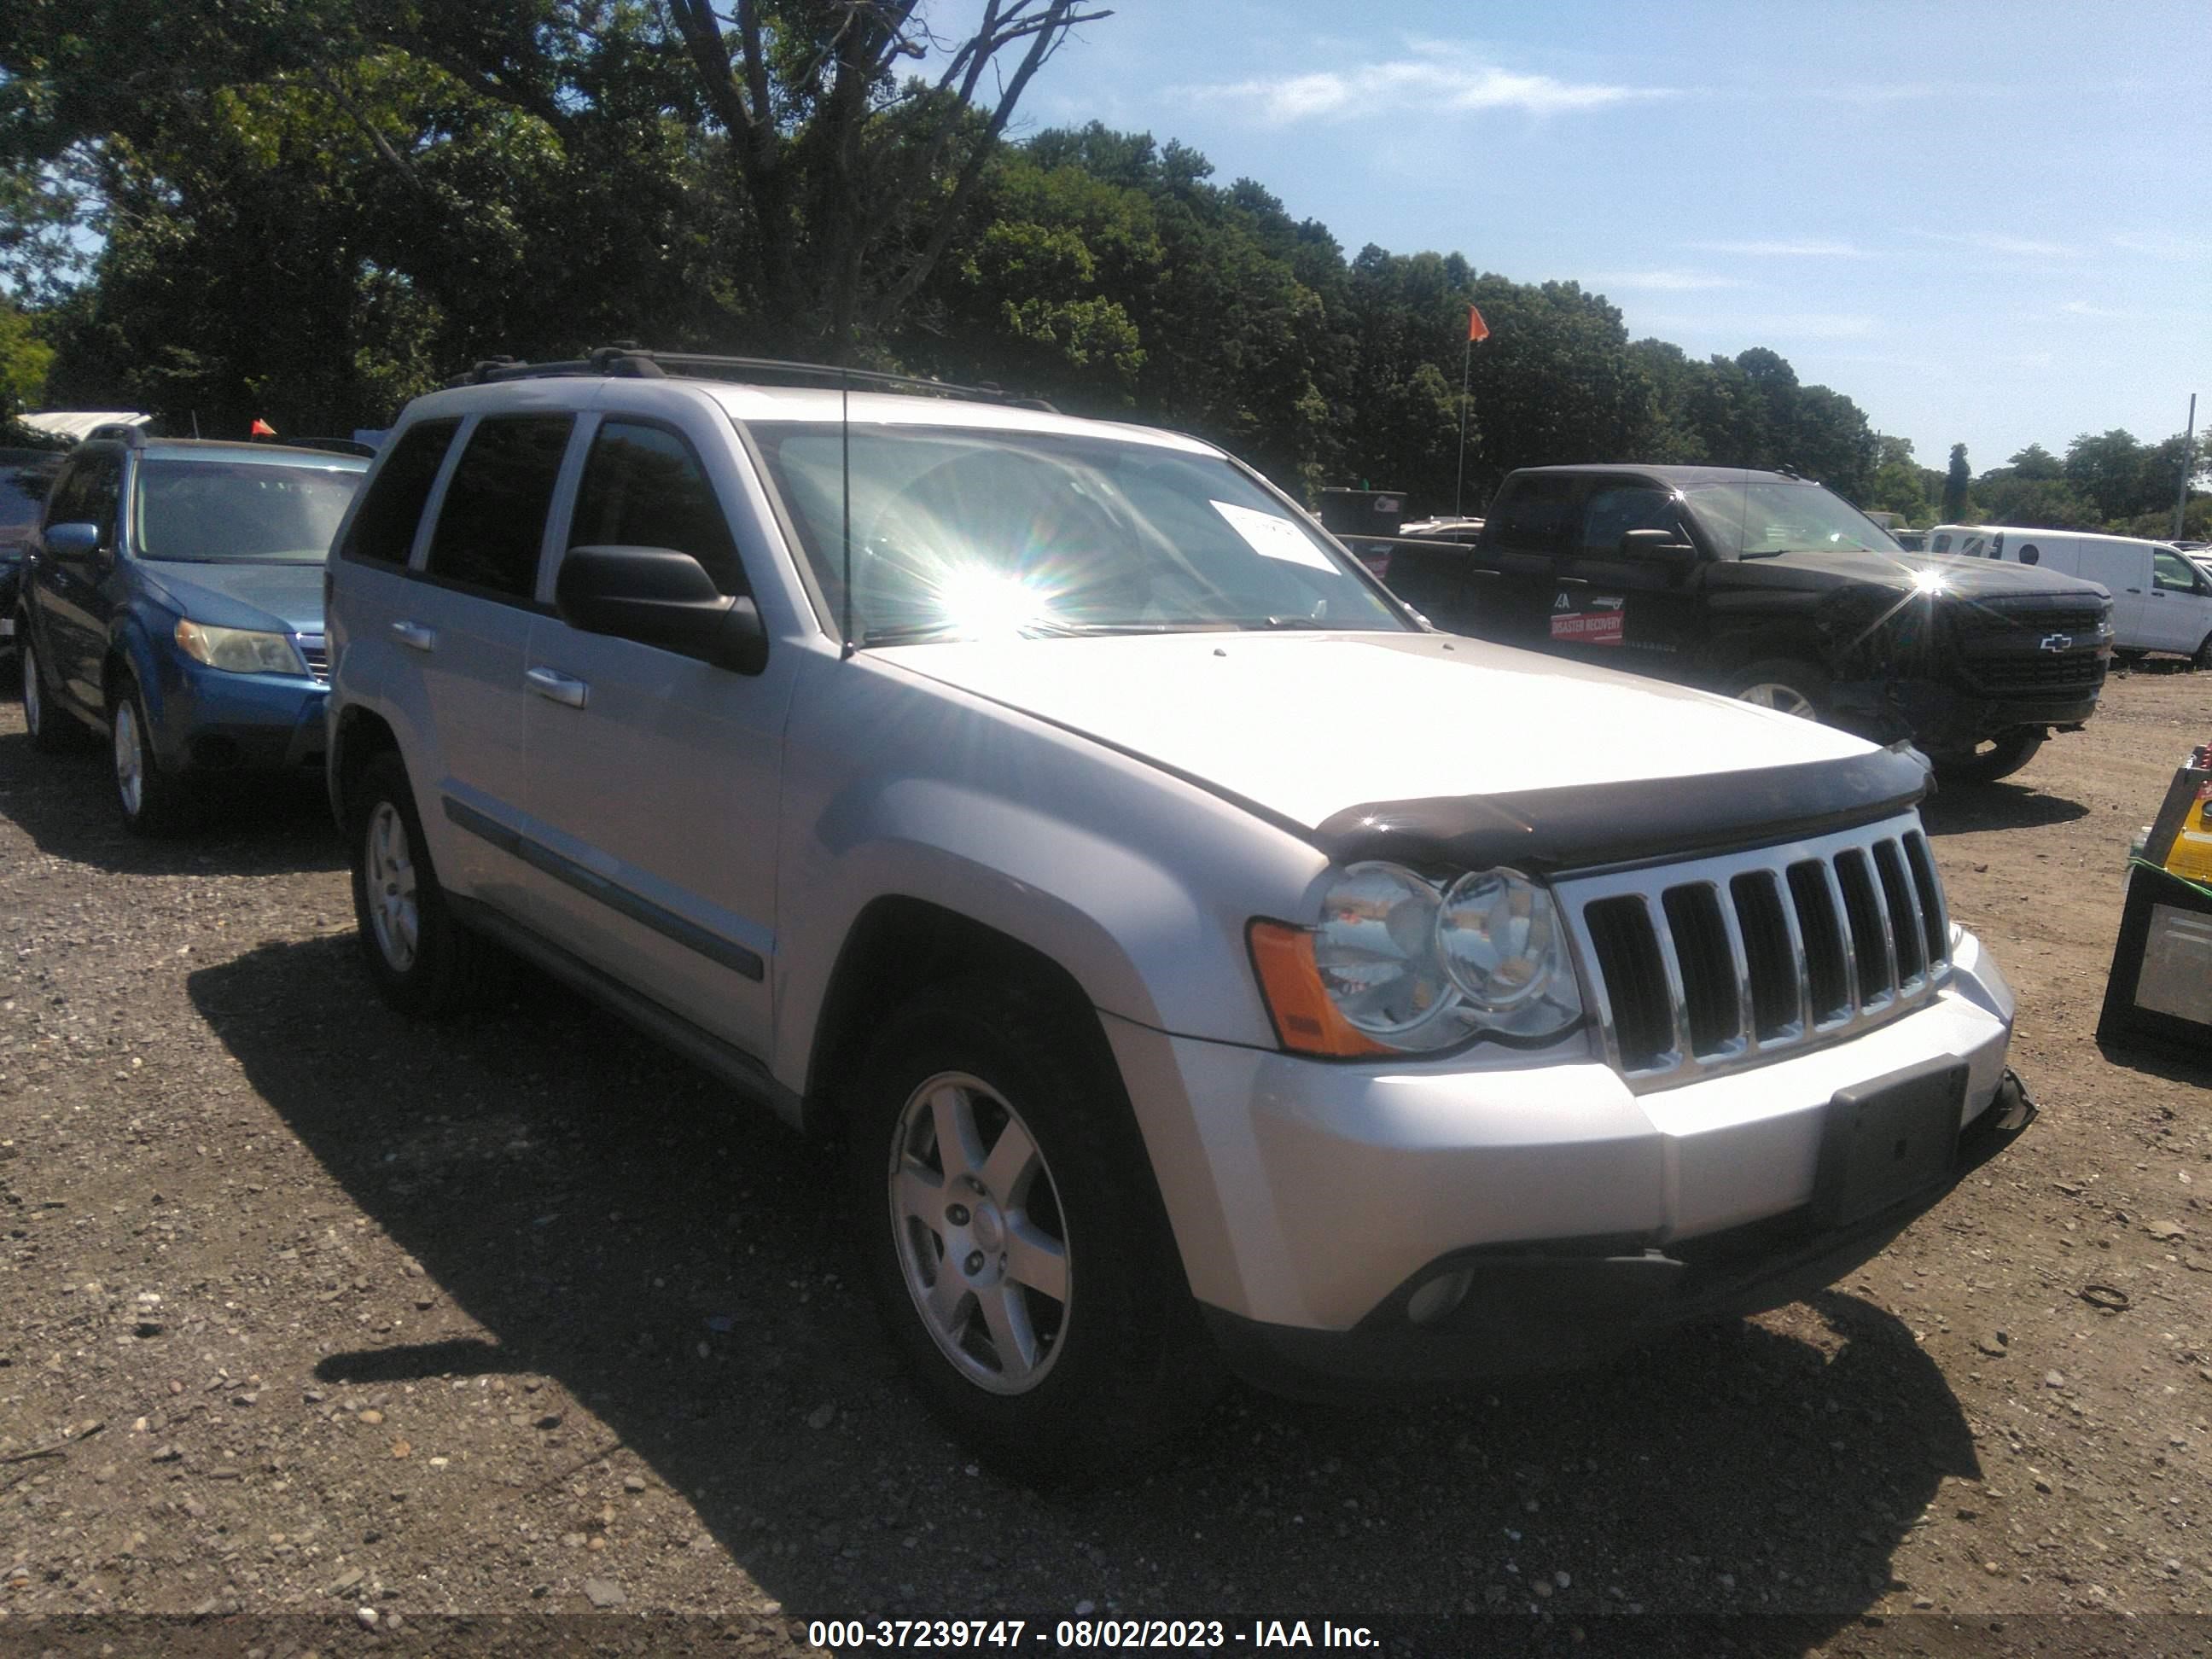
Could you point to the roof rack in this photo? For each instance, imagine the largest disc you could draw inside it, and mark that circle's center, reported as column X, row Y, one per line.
column 627, row 361
column 129, row 433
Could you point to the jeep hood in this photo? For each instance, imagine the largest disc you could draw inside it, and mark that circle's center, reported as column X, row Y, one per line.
column 1311, row 727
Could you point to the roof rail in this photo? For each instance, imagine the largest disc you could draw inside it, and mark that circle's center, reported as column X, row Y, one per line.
column 626, row 360
column 129, row 433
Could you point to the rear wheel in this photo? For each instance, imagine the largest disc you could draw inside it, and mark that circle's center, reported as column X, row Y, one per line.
column 2203, row 657
column 1992, row 759
column 1011, row 1238
column 423, row 960
column 51, row 731
column 1788, row 685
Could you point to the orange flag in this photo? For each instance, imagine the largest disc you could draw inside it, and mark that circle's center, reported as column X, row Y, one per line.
column 261, row 429
column 1476, row 328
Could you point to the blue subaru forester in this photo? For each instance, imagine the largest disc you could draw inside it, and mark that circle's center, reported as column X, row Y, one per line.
column 172, row 599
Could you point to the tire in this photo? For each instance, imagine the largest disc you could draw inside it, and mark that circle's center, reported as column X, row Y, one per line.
column 424, row 961
column 1994, row 758
column 52, row 730
column 1788, row 684
column 2203, row 657
column 155, row 801
column 1080, row 1344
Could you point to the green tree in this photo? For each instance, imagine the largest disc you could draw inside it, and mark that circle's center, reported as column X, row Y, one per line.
column 2108, row 470
column 1956, row 483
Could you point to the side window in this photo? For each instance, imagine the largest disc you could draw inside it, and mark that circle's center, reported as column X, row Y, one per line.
column 1612, row 513
column 643, row 487
column 1940, row 544
column 493, row 521
column 87, row 493
column 2030, row 553
column 2173, row 573
column 1536, row 519
column 65, row 501
column 383, row 532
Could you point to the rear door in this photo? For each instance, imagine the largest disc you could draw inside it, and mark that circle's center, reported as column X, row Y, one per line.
column 1513, row 578
column 75, row 592
column 465, row 625
column 654, row 776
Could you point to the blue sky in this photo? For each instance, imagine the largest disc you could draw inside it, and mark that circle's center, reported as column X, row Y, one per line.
column 1986, row 223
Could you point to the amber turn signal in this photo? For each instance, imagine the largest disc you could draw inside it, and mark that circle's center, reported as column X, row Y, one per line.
column 1306, row 1021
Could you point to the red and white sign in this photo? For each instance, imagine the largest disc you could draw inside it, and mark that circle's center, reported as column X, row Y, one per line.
column 1596, row 621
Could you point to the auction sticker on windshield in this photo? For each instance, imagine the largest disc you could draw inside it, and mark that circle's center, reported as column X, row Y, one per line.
column 1273, row 537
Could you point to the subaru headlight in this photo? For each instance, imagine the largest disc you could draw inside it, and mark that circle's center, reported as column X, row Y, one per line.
column 238, row 650
column 1399, row 961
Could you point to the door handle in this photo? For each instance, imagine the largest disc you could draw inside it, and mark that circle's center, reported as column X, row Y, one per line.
column 558, row 687
column 415, row 636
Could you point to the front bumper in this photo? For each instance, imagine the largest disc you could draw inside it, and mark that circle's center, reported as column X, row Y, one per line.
column 1311, row 1199
column 1943, row 719
column 1541, row 1306
column 212, row 722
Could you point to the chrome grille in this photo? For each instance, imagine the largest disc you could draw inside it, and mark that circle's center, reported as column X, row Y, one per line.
column 315, row 653
column 1725, row 962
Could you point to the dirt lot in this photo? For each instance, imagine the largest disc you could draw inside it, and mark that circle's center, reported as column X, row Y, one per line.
column 309, row 1311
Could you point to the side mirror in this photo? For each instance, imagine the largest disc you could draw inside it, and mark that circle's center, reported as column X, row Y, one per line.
column 72, row 541
column 1660, row 546
column 658, row 596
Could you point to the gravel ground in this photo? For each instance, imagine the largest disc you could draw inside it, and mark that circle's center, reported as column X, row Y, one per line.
column 313, row 1314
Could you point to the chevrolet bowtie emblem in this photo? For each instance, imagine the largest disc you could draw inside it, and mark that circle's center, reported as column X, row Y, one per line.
column 2056, row 641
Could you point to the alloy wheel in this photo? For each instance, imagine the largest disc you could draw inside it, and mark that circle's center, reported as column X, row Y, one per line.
column 35, row 701
column 388, row 866
column 982, row 1243
column 1783, row 699
column 129, row 758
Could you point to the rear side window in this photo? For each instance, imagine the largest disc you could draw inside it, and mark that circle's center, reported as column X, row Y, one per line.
column 643, row 487
column 493, row 521
column 383, row 532
column 1536, row 518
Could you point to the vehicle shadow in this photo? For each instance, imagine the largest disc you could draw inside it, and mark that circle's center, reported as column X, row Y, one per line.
column 1962, row 808
column 259, row 826
column 2171, row 1061
column 595, row 1213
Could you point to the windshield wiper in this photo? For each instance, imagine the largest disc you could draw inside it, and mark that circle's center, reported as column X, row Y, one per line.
column 1285, row 623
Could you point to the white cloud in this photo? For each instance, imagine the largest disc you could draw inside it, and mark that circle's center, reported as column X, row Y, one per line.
column 1434, row 84
column 1769, row 328
column 2083, row 308
column 2010, row 247
column 1667, row 281
column 1794, row 248
column 2165, row 245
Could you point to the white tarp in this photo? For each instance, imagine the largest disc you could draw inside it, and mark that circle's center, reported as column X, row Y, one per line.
column 74, row 424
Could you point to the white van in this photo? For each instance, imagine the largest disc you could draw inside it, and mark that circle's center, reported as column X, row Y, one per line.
column 2162, row 601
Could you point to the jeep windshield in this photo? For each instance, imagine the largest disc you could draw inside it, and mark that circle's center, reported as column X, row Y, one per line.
column 1759, row 518
column 962, row 534
column 199, row 512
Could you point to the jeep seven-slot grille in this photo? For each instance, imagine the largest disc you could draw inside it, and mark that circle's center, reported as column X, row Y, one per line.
column 1698, row 967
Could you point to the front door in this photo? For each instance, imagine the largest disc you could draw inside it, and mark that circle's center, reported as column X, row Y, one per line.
column 655, row 777
column 2179, row 607
column 1622, row 609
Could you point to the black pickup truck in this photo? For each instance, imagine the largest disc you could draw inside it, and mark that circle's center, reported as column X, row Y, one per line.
column 1766, row 586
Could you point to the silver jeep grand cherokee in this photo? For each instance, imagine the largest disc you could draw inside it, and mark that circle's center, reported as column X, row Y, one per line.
column 1199, row 958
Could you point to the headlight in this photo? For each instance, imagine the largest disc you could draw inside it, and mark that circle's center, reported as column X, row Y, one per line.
column 238, row 650
column 1401, row 962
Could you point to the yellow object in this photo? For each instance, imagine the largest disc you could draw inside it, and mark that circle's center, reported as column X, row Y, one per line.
column 2191, row 856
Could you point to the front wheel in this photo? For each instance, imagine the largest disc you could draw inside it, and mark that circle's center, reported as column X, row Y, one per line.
column 1011, row 1238
column 1991, row 759
column 2203, row 657
column 1786, row 684
column 423, row 960
column 153, row 799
